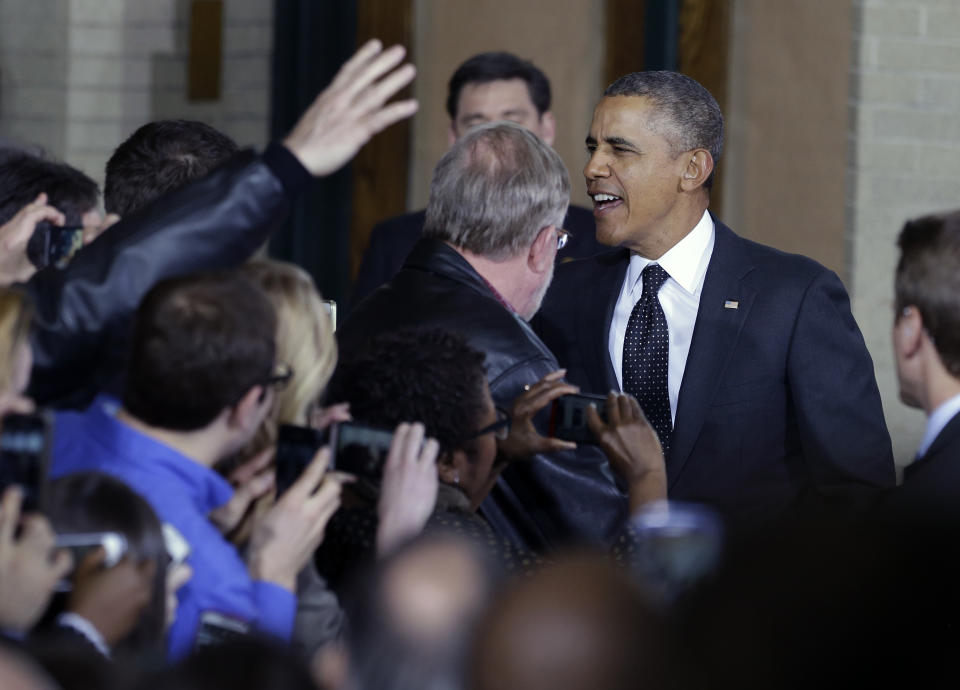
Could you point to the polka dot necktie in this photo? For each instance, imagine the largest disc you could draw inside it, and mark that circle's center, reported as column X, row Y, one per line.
column 646, row 355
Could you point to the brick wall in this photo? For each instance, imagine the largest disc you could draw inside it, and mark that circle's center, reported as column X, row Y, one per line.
column 904, row 161
column 78, row 76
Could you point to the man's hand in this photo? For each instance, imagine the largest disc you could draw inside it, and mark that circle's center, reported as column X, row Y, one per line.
column 285, row 538
column 252, row 480
column 351, row 110
column 111, row 599
column 524, row 440
column 15, row 267
column 408, row 492
column 28, row 569
column 632, row 447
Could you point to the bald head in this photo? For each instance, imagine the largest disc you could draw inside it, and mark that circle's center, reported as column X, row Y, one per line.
column 579, row 624
column 412, row 626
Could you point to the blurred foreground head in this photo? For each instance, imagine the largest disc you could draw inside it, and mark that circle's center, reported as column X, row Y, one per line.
column 579, row 624
column 412, row 621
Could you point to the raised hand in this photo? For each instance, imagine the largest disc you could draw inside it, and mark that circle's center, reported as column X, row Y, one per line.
column 632, row 447
column 408, row 492
column 287, row 535
column 29, row 570
column 352, row 109
column 524, row 440
column 15, row 267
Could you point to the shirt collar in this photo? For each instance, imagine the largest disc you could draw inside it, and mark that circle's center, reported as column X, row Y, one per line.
column 686, row 261
column 205, row 487
column 939, row 419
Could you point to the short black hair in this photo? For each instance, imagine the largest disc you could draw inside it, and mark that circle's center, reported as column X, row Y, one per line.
column 23, row 176
column 415, row 375
column 494, row 66
column 159, row 157
column 199, row 344
column 688, row 112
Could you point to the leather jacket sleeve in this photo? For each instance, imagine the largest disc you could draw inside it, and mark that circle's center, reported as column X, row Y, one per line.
column 83, row 312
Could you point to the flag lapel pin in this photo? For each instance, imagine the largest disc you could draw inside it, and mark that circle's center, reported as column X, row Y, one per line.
column 731, row 304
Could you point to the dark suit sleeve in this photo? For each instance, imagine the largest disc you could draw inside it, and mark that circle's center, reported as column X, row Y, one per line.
column 834, row 392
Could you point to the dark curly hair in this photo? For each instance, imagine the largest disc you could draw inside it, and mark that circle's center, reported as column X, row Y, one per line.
column 422, row 375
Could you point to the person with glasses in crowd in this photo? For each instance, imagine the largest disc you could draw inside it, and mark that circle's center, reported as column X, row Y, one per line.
column 437, row 377
column 201, row 380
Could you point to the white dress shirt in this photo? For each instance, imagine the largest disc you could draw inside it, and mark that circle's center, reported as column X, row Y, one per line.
column 686, row 264
column 939, row 419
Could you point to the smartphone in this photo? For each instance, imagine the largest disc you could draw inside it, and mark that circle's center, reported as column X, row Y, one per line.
column 360, row 449
column 217, row 628
column 54, row 244
column 114, row 545
column 331, row 307
column 25, row 456
column 568, row 417
column 296, row 448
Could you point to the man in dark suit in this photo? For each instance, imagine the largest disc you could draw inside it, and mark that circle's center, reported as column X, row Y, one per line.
column 747, row 360
column 486, row 88
column 926, row 344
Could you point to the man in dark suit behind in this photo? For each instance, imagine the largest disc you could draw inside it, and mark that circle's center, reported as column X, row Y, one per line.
column 926, row 345
column 749, row 359
column 485, row 88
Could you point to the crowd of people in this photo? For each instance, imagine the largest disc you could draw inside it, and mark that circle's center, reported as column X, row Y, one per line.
column 662, row 465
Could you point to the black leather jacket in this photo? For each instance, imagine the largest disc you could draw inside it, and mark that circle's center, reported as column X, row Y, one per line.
column 554, row 498
column 83, row 312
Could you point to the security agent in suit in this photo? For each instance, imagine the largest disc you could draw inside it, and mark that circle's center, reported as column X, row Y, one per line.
column 926, row 345
column 762, row 377
column 486, row 88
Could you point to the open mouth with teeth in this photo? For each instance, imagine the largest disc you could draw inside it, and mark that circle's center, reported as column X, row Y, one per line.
column 603, row 202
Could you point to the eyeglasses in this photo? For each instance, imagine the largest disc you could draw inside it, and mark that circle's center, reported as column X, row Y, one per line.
column 563, row 237
column 280, row 377
column 500, row 428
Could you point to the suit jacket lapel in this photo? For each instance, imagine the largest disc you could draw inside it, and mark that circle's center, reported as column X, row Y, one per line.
column 598, row 302
column 715, row 335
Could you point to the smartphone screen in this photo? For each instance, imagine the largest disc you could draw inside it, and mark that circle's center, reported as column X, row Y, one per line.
column 568, row 417
column 54, row 244
column 24, row 455
column 360, row 449
column 296, row 447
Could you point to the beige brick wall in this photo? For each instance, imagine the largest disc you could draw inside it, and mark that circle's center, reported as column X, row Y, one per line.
column 78, row 76
column 904, row 161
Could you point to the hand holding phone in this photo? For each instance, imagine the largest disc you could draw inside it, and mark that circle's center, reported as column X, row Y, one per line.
column 25, row 455
column 568, row 417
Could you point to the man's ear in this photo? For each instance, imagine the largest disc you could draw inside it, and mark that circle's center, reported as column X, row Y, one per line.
column 909, row 331
column 698, row 164
column 548, row 128
column 246, row 414
column 543, row 251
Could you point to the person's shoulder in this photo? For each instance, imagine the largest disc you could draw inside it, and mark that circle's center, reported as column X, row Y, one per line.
column 405, row 223
column 776, row 264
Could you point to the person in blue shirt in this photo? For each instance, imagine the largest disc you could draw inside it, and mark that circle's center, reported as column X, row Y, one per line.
column 201, row 379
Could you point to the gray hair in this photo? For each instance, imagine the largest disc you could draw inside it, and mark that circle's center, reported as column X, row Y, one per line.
column 688, row 115
column 495, row 189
